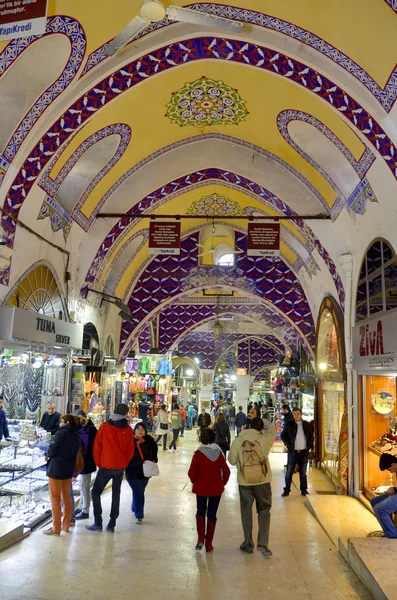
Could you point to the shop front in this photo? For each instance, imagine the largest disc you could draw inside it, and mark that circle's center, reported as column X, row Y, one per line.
column 332, row 422
column 375, row 359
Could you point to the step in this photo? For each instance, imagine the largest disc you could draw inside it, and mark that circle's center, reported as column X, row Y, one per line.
column 10, row 533
column 374, row 561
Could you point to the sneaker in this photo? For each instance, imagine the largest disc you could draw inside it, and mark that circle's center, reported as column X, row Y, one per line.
column 170, row 450
column 264, row 550
column 94, row 527
column 245, row 548
column 139, row 521
column 50, row 531
column 110, row 527
column 199, row 546
column 82, row 516
column 376, row 534
column 284, row 494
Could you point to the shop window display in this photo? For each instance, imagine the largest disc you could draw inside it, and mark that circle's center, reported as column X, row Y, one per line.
column 333, row 409
column 380, row 430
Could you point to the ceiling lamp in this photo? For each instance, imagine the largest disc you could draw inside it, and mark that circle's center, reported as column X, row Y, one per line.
column 217, row 329
column 153, row 10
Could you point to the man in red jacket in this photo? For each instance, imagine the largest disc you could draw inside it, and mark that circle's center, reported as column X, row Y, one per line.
column 113, row 450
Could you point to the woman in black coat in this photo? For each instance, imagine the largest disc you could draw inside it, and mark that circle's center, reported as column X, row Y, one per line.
column 145, row 448
column 61, row 457
column 222, row 433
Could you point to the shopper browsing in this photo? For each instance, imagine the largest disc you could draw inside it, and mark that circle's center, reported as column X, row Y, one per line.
column 51, row 419
column 297, row 435
column 3, row 422
column 250, row 452
column 145, row 449
column 61, row 456
column 113, row 450
column 209, row 474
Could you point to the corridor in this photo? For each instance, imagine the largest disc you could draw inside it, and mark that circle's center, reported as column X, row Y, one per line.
column 157, row 559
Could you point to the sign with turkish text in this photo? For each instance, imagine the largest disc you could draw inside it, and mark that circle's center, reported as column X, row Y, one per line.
column 22, row 18
column 263, row 239
column 375, row 344
column 241, row 372
column 164, row 237
column 17, row 324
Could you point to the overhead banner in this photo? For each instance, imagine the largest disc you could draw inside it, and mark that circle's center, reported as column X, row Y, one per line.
column 22, row 18
column 164, row 237
column 263, row 239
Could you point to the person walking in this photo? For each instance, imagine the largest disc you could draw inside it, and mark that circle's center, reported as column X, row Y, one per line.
column 209, row 474
column 240, row 420
column 176, row 424
column 183, row 418
column 61, row 456
column 222, row 433
column 250, row 452
column 190, row 416
column 297, row 435
column 204, row 419
column 87, row 432
column 145, row 448
column 113, row 450
column 287, row 414
column 162, row 427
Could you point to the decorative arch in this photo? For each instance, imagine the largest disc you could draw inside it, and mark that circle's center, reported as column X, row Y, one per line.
column 377, row 282
column 209, row 176
column 51, row 186
column 38, row 290
column 330, row 341
column 55, row 25
column 385, row 96
column 172, row 56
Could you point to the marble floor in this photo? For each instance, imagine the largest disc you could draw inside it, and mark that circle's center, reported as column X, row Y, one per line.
column 157, row 559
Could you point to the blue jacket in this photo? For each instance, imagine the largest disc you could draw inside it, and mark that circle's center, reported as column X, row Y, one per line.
column 240, row 419
column 3, row 425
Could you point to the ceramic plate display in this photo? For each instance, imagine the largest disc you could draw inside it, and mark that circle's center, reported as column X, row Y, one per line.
column 383, row 403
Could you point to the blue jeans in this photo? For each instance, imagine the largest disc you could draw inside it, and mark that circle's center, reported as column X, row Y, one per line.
column 138, row 487
column 189, row 422
column 383, row 506
column 294, row 458
column 238, row 430
column 164, row 436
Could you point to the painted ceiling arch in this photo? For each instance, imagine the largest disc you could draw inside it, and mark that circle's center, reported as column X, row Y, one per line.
column 166, row 58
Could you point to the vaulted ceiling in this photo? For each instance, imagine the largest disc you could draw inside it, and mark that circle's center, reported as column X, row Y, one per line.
column 293, row 116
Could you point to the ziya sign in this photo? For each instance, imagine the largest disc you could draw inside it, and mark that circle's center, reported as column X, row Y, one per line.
column 22, row 18
column 375, row 343
column 164, row 237
column 263, row 239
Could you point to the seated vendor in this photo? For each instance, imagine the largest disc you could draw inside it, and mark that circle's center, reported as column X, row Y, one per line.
column 51, row 419
column 386, row 504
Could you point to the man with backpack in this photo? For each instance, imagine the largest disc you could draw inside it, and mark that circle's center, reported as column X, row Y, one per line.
column 250, row 451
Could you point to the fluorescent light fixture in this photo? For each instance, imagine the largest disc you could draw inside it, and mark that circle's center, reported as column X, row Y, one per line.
column 58, row 347
column 189, row 372
column 233, row 377
column 197, row 360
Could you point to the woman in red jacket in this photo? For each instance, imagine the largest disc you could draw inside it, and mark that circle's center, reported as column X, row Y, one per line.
column 209, row 474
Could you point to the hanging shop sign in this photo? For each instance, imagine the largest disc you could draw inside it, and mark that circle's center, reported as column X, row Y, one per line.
column 22, row 18
column 375, row 343
column 164, row 237
column 241, row 372
column 263, row 239
column 17, row 324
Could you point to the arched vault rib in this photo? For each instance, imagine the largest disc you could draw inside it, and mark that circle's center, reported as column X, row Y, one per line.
column 172, row 56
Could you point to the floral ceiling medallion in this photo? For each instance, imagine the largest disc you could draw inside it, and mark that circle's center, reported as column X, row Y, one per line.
column 206, row 102
column 216, row 205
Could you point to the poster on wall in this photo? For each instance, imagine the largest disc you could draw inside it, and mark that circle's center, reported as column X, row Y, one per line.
column 164, row 237
column 263, row 239
column 22, row 18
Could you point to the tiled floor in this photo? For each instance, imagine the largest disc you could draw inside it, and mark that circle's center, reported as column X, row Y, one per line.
column 157, row 559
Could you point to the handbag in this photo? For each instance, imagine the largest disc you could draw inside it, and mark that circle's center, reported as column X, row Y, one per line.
column 150, row 469
column 79, row 462
column 164, row 426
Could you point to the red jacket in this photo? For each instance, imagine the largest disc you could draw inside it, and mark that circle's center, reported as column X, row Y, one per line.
column 208, row 477
column 114, row 445
column 183, row 414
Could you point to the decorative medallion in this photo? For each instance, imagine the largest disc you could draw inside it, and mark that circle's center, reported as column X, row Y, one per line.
column 206, row 102
column 58, row 216
column 357, row 203
column 215, row 204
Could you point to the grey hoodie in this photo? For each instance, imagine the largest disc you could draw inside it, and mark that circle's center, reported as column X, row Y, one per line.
column 211, row 451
